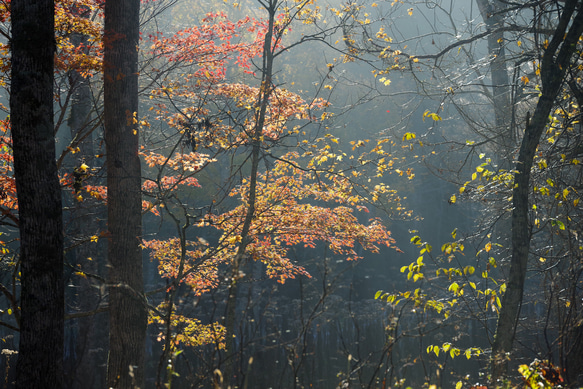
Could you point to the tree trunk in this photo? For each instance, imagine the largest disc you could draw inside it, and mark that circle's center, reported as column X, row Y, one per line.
column 86, row 370
column 492, row 14
column 40, row 359
column 556, row 60
column 127, row 313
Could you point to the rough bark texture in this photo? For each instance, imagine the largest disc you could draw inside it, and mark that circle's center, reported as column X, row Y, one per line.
column 40, row 360
column 556, row 60
column 127, row 312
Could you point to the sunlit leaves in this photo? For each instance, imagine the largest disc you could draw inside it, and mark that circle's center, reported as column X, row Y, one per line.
column 453, row 352
column 188, row 331
column 285, row 217
column 431, row 115
column 385, row 81
column 196, row 269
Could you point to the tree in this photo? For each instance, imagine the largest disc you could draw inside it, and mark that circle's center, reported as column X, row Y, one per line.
column 524, row 39
column 40, row 361
column 127, row 309
column 557, row 61
column 306, row 199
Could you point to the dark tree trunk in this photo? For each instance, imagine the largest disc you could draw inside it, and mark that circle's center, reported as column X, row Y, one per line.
column 557, row 59
column 127, row 313
column 40, row 360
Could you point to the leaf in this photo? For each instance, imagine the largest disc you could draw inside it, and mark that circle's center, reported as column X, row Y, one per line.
column 454, row 233
column 458, row 385
column 488, row 247
column 452, row 200
column 409, row 136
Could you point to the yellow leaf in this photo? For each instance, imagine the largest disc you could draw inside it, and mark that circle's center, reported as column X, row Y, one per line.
column 458, row 385
column 94, row 238
column 565, row 193
column 488, row 247
column 452, row 199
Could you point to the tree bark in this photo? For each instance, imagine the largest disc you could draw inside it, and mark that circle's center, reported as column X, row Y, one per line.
column 556, row 60
column 492, row 12
column 40, row 360
column 127, row 313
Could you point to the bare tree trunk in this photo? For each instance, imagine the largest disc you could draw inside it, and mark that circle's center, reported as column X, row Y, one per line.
column 127, row 313
column 492, row 12
column 40, row 359
column 556, row 60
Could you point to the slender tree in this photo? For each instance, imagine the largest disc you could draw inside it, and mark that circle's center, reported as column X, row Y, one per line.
column 557, row 59
column 40, row 361
column 127, row 313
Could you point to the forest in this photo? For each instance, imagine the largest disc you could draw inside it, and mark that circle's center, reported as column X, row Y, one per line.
column 291, row 194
